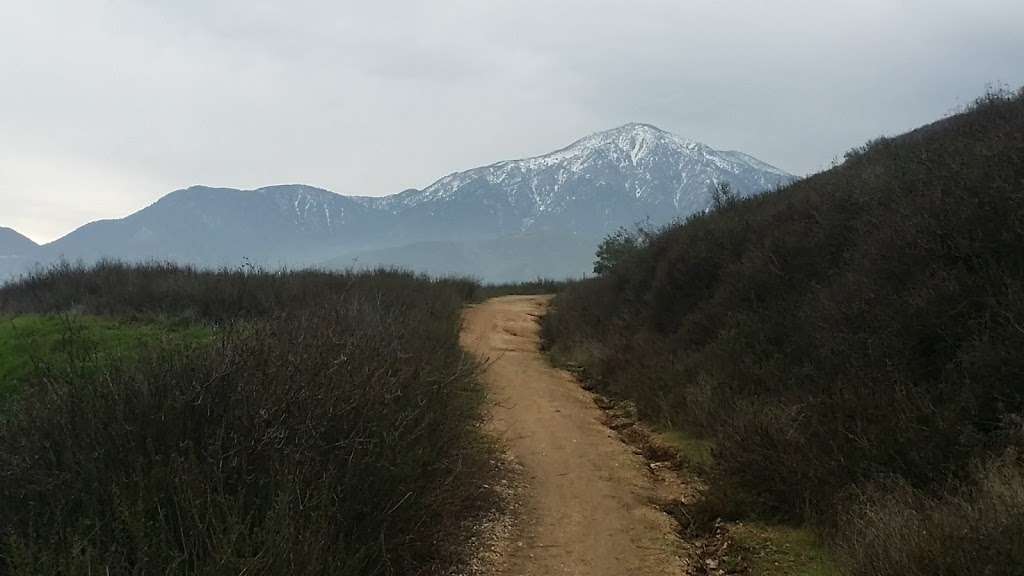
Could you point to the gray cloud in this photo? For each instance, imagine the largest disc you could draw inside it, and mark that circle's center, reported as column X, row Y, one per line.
column 108, row 104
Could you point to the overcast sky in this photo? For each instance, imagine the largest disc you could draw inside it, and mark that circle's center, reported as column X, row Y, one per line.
column 107, row 105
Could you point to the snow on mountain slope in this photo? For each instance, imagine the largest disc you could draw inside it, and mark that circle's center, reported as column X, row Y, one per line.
column 312, row 209
column 288, row 224
column 644, row 154
column 635, row 171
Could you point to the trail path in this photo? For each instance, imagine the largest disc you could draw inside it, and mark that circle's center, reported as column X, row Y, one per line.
column 588, row 499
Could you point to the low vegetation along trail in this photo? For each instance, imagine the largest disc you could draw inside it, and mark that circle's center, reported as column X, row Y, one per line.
column 588, row 501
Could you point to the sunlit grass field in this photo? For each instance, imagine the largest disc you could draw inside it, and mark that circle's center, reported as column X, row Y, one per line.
column 33, row 343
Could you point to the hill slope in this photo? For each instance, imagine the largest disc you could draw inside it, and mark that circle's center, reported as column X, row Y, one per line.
column 17, row 253
column 292, row 224
column 13, row 243
column 850, row 345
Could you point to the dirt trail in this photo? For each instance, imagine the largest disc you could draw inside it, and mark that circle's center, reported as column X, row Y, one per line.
column 588, row 499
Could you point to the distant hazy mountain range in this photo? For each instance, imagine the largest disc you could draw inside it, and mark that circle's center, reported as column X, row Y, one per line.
column 16, row 252
column 511, row 220
column 14, row 244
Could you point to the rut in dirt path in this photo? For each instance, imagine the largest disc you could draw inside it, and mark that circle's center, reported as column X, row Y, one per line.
column 588, row 500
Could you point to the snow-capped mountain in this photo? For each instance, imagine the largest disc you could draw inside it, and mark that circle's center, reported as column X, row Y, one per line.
column 633, row 173
column 649, row 164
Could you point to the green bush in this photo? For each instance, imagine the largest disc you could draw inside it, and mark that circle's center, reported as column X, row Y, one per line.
column 33, row 342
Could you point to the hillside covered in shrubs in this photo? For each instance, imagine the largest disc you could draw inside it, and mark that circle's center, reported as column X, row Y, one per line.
column 305, row 423
column 852, row 346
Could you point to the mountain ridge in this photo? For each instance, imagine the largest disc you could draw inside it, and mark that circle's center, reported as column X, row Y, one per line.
column 635, row 136
column 14, row 243
column 584, row 190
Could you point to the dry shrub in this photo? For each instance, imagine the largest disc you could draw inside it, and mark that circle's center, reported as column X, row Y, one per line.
column 863, row 323
column 332, row 429
column 975, row 527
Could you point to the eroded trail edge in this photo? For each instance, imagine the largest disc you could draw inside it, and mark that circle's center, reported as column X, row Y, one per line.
column 589, row 503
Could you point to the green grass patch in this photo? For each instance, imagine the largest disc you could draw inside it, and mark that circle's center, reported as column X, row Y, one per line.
column 696, row 452
column 773, row 550
column 31, row 342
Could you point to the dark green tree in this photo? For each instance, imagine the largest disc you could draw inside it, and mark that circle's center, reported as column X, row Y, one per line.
column 618, row 247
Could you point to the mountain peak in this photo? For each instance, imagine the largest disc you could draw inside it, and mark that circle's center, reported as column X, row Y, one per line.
column 293, row 189
column 635, row 139
column 659, row 171
column 637, row 127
